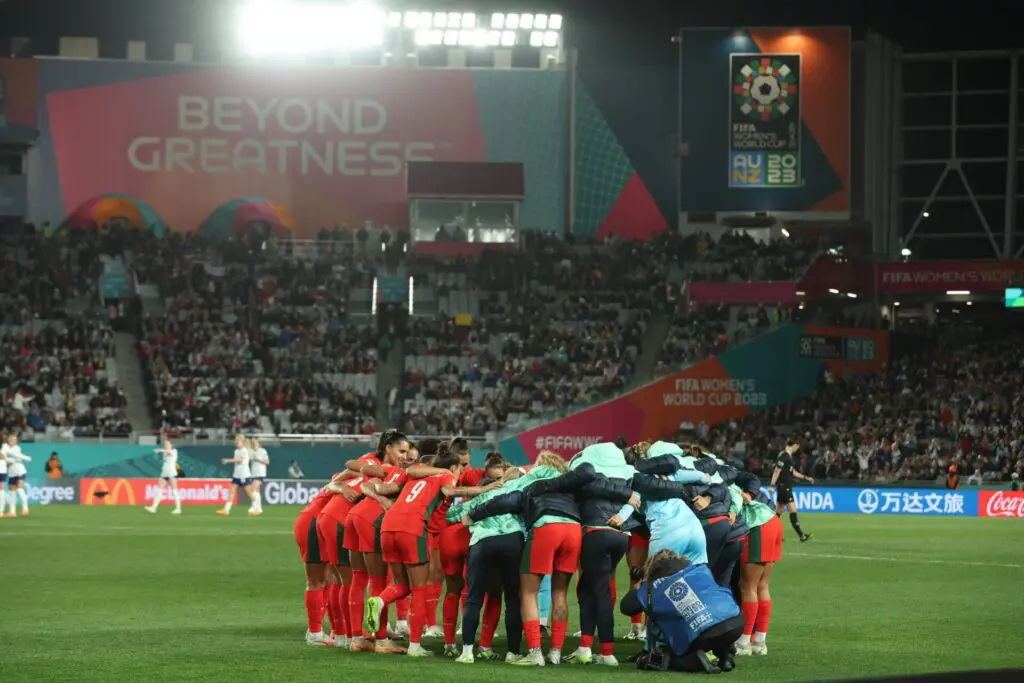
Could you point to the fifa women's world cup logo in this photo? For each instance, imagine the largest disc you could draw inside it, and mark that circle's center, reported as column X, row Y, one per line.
column 764, row 121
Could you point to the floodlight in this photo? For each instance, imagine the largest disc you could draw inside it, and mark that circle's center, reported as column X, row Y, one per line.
column 494, row 38
column 454, row 20
column 540, row 21
column 412, row 19
column 440, row 20
column 423, row 36
column 451, row 37
column 426, row 19
column 555, row 22
column 536, row 39
column 394, row 19
column 497, row 21
column 526, row 21
column 468, row 20
column 551, row 39
column 508, row 38
column 512, row 21
column 466, row 37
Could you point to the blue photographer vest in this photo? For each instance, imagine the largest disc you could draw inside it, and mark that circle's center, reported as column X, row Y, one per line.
column 686, row 604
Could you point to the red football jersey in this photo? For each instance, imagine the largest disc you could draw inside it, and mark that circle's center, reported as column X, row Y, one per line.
column 338, row 507
column 321, row 499
column 370, row 459
column 417, row 501
column 368, row 508
column 438, row 521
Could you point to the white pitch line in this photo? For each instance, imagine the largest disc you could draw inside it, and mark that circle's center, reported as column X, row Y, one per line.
column 873, row 558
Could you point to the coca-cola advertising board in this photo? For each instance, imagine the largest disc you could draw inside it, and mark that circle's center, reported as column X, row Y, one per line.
column 1001, row 504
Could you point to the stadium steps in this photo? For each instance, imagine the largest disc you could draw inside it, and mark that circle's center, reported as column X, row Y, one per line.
column 654, row 339
column 389, row 374
column 132, row 379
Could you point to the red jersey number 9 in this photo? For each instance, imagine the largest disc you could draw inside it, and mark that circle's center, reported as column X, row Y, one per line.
column 416, row 490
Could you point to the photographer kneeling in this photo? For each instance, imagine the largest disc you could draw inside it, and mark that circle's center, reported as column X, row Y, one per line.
column 688, row 615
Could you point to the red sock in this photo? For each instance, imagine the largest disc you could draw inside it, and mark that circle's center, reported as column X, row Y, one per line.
column 615, row 590
column 402, row 610
column 532, row 630
column 637, row 618
column 377, row 586
column 433, row 596
column 607, row 649
column 394, row 593
column 449, row 617
column 315, row 610
column 418, row 615
column 749, row 617
column 332, row 609
column 343, row 610
column 764, row 615
column 356, row 603
column 492, row 613
column 558, row 629
column 586, row 641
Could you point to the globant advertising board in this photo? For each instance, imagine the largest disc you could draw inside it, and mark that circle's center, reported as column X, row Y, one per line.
column 291, row 491
column 126, row 491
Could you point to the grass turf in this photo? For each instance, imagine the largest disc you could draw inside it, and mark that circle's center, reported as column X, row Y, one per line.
column 105, row 593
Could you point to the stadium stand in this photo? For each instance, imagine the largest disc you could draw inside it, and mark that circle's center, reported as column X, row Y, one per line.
column 948, row 398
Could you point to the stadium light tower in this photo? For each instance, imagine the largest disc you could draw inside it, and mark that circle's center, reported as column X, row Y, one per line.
column 287, row 28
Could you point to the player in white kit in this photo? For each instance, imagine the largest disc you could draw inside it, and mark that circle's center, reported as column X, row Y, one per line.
column 241, row 477
column 168, row 477
column 3, row 484
column 15, row 459
column 258, row 466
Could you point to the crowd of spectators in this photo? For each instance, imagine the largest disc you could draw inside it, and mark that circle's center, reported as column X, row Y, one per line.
column 58, row 376
column 950, row 397
column 560, row 324
column 258, row 338
column 739, row 257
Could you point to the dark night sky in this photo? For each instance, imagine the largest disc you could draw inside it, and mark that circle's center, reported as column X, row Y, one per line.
column 630, row 28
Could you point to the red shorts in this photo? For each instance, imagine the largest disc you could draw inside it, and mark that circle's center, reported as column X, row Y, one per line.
column 453, row 544
column 432, row 541
column 764, row 543
column 362, row 535
column 401, row 547
column 306, row 536
column 331, row 537
column 640, row 539
column 552, row 547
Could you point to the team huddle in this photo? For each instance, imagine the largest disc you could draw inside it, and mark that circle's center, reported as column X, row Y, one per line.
column 407, row 523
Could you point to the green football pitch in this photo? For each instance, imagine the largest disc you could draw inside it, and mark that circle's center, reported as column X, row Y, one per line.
column 115, row 594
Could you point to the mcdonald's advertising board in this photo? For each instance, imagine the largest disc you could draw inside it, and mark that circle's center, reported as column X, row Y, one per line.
column 123, row 491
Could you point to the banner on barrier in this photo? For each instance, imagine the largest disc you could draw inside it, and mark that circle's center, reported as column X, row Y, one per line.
column 53, row 492
column 917, row 502
column 1001, row 504
column 123, row 491
column 291, row 491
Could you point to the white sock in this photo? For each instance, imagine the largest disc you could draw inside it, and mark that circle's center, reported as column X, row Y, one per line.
column 3, row 498
column 402, row 625
column 543, row 621
column 227, row 506
column 177, row 499
column 257, row 502
column 467, row 650
column 12, row 502
column 159, row 497
column 583, row 651
column 415, row 647
column 759, row 637
column 24, row 499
